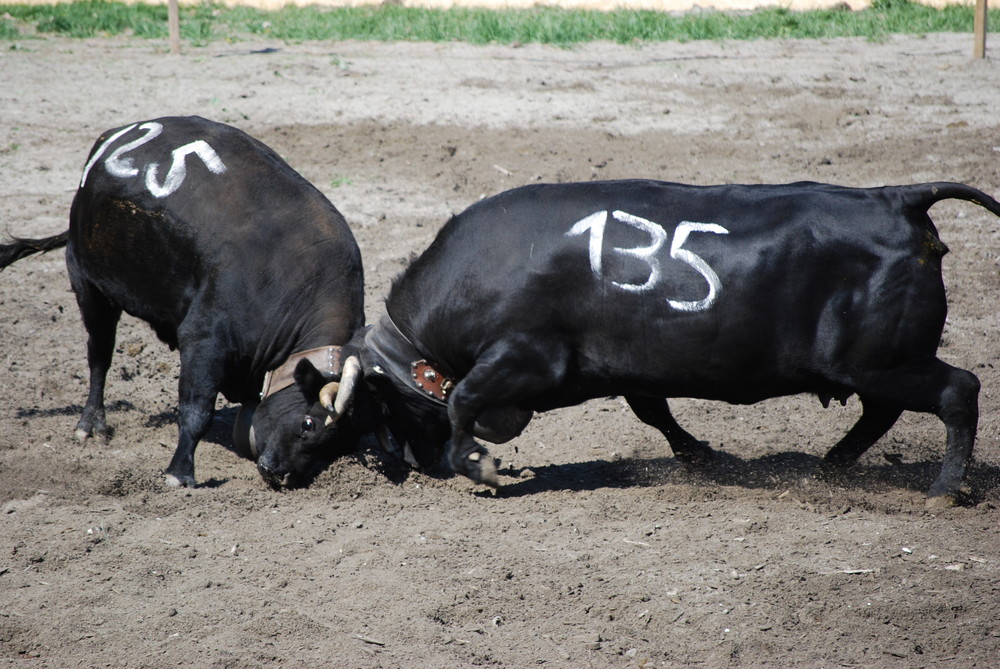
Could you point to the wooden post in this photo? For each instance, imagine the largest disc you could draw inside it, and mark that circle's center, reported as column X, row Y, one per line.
column 174, row 26
column 979, row 30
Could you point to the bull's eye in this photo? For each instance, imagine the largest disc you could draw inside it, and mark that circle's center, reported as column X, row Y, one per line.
column 308, row 425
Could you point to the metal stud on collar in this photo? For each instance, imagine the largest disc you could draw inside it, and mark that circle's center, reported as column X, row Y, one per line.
column 430, row 380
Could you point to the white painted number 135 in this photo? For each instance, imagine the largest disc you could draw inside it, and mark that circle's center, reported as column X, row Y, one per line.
column 596, row 223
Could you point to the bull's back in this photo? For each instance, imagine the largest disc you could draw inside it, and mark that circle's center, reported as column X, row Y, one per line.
column 682, row 289
column 171, row 208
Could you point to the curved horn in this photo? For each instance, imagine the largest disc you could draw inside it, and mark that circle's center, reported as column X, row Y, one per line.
column 327, row 393
column 244, row 438
column 336, row 396
column 348, row 384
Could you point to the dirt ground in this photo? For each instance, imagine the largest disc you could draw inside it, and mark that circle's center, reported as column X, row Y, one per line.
column 599, row 550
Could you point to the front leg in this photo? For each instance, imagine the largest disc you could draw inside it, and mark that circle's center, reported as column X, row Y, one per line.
column 193, row 424
column 198, row 390
column 876, row 419
column 507, row 375
column 471, row 459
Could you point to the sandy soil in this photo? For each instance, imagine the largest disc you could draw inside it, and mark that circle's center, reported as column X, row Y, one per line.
column 599, row 550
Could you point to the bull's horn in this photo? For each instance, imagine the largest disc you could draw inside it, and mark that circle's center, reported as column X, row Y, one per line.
column 348, row 384
column 336, row 396
column 244, row 438
column 327, row 393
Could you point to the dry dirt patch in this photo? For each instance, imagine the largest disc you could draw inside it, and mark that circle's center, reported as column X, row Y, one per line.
column 611, row 554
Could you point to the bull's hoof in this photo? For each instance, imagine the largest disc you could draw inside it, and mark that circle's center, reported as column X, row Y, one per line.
column 697, row 455
column 942, row 502
column 947, row 500
column 175, row 481
column 478, row 466
column 833, row 470
column 99, row 432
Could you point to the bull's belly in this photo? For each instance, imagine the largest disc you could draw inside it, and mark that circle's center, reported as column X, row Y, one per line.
column 732, row 390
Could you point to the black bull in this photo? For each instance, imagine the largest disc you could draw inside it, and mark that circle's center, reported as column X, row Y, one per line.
column 235, row 260
column 549, row 295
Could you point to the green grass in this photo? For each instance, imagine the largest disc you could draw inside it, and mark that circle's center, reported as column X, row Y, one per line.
column 206, row 22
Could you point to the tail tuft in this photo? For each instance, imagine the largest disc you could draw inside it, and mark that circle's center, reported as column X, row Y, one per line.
column 22, row 248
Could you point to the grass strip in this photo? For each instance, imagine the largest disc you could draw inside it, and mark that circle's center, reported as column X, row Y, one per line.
column 203, row 23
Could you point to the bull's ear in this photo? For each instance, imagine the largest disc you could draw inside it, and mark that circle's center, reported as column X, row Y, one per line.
column 309, row 378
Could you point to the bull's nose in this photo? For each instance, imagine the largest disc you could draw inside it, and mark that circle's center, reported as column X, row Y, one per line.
column 273, row 478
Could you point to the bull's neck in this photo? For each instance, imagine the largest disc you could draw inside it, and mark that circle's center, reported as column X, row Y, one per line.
column 398, row 357
column 392, row 344
column 311, row 329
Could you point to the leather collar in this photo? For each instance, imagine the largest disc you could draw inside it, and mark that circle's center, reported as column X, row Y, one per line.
column 405, row 362
column 326, row 359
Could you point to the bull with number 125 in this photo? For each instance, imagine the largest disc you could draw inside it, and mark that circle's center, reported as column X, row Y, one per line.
column 235, row 260
column 549, row 295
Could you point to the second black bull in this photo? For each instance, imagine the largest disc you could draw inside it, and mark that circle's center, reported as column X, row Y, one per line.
column 234, row 259
column 549, row 295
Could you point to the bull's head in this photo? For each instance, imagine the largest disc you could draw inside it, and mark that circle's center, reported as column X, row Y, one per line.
column 295, row 432
column 409, row 426
column 409, row 401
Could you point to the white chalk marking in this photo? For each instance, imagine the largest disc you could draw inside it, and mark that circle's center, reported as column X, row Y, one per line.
column 597, row 222
column 178, row 168
column 684, row 228
column 645, row 253
column 119, row 166
column 100, row 152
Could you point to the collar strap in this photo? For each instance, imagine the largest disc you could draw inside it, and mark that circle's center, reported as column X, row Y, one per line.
column 405, row 361
column 326, row 359
column 430, row 380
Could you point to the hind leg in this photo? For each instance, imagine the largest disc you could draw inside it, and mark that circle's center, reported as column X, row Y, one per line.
column 100, row 318
column 655, row 411
column 875, row 421
column 950, row 393
column 959, row 410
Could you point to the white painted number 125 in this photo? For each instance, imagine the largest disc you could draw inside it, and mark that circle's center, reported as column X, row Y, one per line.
column 596, row 223
column 120, row 165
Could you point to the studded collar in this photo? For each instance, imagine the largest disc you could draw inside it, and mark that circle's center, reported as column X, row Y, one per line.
column 405, row 362
column 326, row 359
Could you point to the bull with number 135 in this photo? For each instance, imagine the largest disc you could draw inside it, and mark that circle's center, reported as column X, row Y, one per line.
column 548, row 295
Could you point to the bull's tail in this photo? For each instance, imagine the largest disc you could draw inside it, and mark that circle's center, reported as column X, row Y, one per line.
column 22, row 248
column 923, row 196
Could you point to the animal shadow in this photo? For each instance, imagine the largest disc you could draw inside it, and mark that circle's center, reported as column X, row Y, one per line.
column 72, row 410
column 775, row 472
